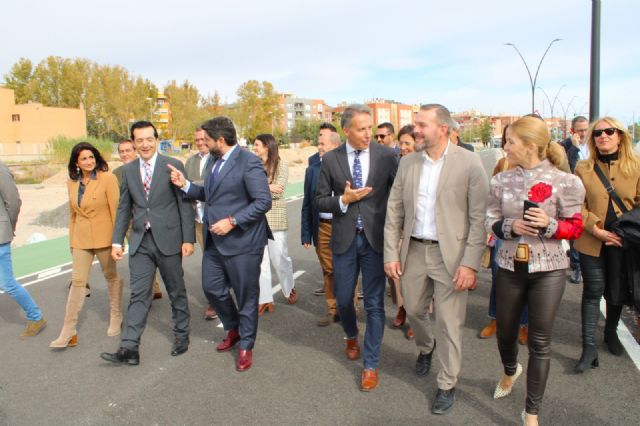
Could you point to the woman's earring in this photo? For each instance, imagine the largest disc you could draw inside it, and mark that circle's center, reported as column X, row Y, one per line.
column 78, row 169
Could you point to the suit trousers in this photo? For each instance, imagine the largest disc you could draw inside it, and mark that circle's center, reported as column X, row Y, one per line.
column 241, row 272
column 360, row 256
column 323, row 250
column 156, row 285
column 142, row 266
column 542, row 293
column 424, row 278
column 277, row 253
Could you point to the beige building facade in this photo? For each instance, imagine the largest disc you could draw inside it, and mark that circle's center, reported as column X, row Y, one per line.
column 25, row 129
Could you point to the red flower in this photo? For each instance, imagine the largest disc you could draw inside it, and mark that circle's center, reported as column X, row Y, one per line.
column 540, row 192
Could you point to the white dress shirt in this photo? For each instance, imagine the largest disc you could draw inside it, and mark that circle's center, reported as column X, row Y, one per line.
column 364, row 165
column 199, row 204
column 583, row 151
column 152, row 162
column 323, row 215
column 424, row 226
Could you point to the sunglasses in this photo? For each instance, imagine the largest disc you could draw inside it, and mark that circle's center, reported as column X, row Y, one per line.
column 381, row 136
column 609, row 131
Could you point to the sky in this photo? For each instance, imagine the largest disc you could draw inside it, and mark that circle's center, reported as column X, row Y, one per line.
column 425, row 51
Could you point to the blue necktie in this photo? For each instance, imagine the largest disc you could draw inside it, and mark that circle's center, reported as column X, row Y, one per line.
column 357, row 182
column 214, row 173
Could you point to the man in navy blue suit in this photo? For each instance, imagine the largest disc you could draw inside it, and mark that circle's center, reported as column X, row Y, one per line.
column 236, row 195
column 354, row 184
column 315, row 227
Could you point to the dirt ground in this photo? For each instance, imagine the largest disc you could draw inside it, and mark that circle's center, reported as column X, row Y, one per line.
column 52, row 194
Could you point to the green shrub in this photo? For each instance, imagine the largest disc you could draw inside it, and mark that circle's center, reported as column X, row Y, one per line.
column 60, row 147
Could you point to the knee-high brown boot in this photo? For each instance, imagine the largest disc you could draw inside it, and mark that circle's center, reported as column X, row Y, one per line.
column 75, row 301
column 115, row 300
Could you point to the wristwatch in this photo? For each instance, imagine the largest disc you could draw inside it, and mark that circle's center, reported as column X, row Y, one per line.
column 234, row 222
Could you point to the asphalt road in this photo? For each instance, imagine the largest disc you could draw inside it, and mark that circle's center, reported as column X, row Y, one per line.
column 300, row 375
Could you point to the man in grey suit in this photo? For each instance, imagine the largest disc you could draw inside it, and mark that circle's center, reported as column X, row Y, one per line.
column 437, row 206
column 161, row 234
column 235, row 231
column 9, row 209
column 355, row 180
column 194, row 168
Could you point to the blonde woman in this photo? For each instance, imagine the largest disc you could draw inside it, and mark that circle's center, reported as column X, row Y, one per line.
column 532, row 207
column 601, row 254
column 93, row 200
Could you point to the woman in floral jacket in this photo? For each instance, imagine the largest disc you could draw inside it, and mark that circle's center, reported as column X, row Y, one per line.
column 531, row 260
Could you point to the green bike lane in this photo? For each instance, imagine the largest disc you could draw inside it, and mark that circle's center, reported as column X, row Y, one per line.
column 51, row 256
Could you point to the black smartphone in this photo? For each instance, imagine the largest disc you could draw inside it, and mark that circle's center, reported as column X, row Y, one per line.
column 527, row 205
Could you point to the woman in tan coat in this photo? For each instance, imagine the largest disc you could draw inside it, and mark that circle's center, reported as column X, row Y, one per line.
column 93, row 200
column 600, row 249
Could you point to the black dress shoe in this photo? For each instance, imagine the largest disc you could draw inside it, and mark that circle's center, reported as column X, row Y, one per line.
column 123, row 356
column 423, row 363
column 444, row 401
column 180, row 346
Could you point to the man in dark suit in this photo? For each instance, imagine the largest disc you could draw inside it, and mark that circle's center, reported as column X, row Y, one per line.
column 386, row 135
column 577, row 149
column 324, row 131
column 576, row 145
column 235, row 231
column 315, row 227
column 355, row 180
column 161, row 234
column 127, row 153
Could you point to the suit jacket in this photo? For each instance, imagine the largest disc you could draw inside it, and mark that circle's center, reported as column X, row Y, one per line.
column 572, row 153
column 461, row 202
column 240, row 190
column 334, row 172
column 192, row 169
column 117, row 172
column 91, row 223
column 167, row 210
column 596, row 201
column 313, row 159
column 10, row 204
column 310, row 216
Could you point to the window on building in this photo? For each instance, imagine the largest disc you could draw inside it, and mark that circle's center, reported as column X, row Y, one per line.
column 15, row 117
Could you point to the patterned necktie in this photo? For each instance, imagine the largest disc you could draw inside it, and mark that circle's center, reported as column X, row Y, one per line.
column 147, row 178
column 357, row 183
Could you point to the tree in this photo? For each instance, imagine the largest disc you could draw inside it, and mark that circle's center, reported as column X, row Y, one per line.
column 486, row 132
column 186, row 112
column 18, row 80
column 305, row 129
column 257, row 109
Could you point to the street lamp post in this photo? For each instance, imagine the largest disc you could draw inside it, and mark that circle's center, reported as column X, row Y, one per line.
column 533, row 79
column 552, row 104
column 565, row 111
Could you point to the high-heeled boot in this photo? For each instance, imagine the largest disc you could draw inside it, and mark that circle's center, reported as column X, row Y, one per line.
column 115, row 311
column 610, row 329
column 68, row 335
column 590, row 313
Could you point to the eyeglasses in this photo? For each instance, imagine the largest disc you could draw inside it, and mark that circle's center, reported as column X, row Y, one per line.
column 381, row 136
column 609, row 131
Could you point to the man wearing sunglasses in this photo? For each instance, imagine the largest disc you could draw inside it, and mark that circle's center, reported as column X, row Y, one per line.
column 577, row 149
column 385, row 136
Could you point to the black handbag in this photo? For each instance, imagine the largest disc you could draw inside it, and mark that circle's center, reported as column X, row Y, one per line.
column 627, row 226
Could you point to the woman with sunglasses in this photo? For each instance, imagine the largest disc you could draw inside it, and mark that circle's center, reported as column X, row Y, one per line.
column 600, row 249
column 276, row 251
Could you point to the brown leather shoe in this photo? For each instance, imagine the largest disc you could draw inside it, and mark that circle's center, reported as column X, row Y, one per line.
column 401, row 318
column 245, row 359
column 293, row 297
column 523, row 335
column 229, row 342
column 157, row 296
column 369, row 379
column 326, row 320
column 353, row 349
column 265, row 307
column 488, row 331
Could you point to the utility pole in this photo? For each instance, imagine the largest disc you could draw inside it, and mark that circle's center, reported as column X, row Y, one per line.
column 594, row 93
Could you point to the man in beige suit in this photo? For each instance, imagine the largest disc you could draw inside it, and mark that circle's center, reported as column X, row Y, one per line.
column 438, row 203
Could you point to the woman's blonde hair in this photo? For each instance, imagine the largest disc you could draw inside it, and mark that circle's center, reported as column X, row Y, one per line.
column 533, row 130
column 629, row 161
